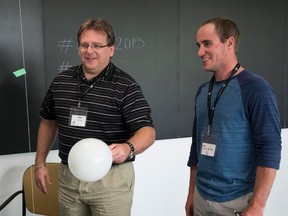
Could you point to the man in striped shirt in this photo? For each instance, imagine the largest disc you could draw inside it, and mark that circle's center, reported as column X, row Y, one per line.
column 94, row 100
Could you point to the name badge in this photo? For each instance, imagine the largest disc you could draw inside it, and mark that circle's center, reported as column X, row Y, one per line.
column 209, row 146
column 78, row 116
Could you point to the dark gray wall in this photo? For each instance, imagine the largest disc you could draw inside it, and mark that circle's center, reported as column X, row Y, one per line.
column 155, row 44
column 20, row 97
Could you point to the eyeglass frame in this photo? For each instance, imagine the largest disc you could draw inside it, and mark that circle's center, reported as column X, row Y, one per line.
column 93, row 46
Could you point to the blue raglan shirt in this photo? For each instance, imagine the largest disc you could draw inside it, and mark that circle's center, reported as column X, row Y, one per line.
column 247, row 127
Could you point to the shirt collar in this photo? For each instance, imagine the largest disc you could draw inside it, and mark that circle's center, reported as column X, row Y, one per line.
column 104, row 73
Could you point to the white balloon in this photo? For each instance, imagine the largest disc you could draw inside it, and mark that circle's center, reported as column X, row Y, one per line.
column 90, row 159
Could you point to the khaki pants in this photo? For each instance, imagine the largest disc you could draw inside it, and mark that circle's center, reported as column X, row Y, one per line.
column 110, row 196
column 204, row 207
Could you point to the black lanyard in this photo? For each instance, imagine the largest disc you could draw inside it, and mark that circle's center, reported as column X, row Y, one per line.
column 82, row 94
column 211, row 110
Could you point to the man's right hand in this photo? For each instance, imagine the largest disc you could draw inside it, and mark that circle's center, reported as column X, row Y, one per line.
column 42, row 178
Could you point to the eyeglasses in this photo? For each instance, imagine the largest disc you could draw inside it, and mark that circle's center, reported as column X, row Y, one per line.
column 94, row 46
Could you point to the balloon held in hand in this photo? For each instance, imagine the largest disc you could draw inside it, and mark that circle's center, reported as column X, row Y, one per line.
column 90, row 159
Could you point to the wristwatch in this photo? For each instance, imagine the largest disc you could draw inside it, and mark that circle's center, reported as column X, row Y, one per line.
column 132, row 151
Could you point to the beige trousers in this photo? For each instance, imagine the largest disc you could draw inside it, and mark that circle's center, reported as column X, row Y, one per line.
column 204, row 207
column 110, row 196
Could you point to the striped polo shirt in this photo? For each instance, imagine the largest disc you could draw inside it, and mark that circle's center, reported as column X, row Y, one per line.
column 115, row 105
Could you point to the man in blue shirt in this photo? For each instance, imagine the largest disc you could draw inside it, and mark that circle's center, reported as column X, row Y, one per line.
column 236, row 147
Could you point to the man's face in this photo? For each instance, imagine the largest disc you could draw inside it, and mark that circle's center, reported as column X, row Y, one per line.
column 94, row 59
column 211, row 50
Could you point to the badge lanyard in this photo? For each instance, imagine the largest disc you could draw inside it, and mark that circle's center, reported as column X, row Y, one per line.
column 82, row 94
column 211, row 110
column 78, row 115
